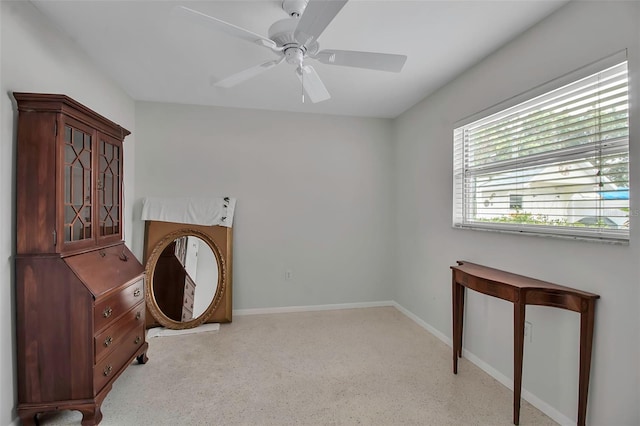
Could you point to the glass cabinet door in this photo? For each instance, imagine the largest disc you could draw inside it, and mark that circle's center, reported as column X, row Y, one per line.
column 77, row 178
column 109, row 188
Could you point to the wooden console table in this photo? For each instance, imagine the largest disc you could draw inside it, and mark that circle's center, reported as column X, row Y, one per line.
column 522, row 291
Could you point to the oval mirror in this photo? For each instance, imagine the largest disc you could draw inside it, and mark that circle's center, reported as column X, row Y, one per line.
column 185, row 279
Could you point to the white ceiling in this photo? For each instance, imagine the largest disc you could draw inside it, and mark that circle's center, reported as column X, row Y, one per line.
column 155, row 56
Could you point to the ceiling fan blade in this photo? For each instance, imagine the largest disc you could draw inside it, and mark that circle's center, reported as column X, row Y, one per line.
column 225, row 27
column 315, row 18
column 245, row 75
column 370, row 60
column 313, row 86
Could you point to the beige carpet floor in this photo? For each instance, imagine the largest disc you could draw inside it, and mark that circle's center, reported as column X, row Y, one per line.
column 371, row 366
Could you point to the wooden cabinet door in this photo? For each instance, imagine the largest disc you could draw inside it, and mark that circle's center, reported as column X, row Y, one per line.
column 76, row 217
column 109, row 189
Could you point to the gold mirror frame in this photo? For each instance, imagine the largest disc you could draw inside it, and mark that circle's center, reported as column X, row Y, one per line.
column 150, row 299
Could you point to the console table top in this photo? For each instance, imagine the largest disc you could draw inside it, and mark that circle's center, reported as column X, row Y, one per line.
column 515, row 280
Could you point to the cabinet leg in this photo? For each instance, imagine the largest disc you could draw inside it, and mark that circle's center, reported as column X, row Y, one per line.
column 91, row 416
column 143, row 358
column 29, row 419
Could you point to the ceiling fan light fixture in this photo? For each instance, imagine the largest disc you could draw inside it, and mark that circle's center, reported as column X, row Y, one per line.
column 294, row 55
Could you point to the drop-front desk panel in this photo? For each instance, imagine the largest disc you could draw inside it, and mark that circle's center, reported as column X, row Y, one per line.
column 522, row 291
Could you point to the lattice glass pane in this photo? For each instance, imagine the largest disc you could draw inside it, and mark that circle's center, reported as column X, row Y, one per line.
column 78, row 140
column 108, row 190
column 87, row 222
column 67, row 134
column 108, row 151
column 77, row 231
column 70, row 154
column 87, row 187
column 67, row 184
column 85, row 159
column 116, row 195
column 107, row 228
column 86, row 214
column 116, row 157
column 69, row 214
column 77, row 185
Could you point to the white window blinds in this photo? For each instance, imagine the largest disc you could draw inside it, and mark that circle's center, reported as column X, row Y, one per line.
column 555, row 164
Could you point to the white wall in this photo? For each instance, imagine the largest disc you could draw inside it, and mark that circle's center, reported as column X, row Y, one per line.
column 37, row 58
column 576, row 35
column 313, row 195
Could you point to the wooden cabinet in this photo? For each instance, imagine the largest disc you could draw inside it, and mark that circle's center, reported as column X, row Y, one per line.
column 80, row 311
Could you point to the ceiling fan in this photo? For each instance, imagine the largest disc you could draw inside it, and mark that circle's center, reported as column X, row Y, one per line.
column 294, row 40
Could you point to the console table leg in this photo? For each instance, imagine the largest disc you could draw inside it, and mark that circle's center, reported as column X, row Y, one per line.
column 461, row 318
column 518, row 350
column 455, row 318
column 587, row 318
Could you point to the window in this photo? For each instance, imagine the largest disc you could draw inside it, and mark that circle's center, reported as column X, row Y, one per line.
column 515, row 201
column 555, row 164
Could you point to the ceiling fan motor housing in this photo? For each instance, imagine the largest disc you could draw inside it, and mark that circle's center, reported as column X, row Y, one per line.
column 282, row 33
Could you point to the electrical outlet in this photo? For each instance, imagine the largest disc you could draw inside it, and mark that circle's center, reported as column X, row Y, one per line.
column 528, row 331
column 288, row 275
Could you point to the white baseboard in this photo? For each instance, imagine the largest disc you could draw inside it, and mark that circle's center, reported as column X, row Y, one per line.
column 446, row 339
column 526, row 395
column 310, row 308
column 532, row 399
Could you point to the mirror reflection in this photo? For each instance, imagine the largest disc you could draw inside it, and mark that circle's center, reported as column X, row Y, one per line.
column 185, row 278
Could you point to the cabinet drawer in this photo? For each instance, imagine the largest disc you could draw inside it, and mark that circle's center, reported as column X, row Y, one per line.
column 110, row 309
column 109, row 367
column 188, row 303
column 111, row 337
column 187, row 314
column 189, row 288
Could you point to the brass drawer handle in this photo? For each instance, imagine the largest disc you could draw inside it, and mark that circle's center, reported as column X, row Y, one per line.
column 138, row 315
column 137, row 340
column 136, row 293
column 107, row 312
column 108, row 341
column 107, row 370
